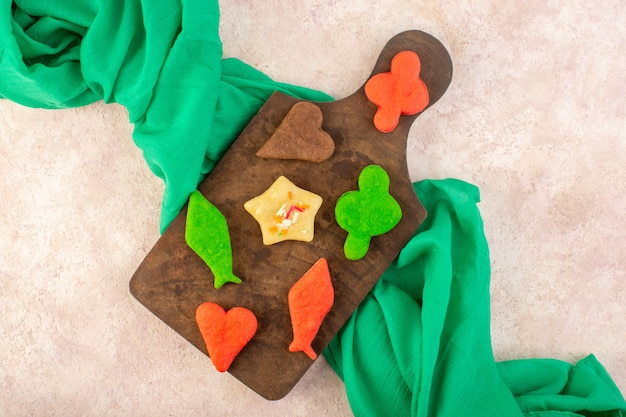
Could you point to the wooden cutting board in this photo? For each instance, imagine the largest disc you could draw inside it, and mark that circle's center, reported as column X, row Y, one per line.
column 173, row 281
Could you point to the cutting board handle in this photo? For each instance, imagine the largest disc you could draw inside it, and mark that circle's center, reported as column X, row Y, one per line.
column 436, row 71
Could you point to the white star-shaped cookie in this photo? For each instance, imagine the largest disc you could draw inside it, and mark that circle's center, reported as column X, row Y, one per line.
column 285, row 212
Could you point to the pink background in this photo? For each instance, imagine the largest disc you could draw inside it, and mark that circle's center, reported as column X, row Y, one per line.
column 535, row 116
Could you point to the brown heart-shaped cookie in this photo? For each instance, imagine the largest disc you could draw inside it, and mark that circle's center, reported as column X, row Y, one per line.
column 299, row 136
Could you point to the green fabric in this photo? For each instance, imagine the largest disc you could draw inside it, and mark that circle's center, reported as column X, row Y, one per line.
column 420, row 343
column 161, row 59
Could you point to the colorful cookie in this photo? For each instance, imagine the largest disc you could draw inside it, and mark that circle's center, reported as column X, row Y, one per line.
column 300, row 136
column 310, row 300
column 285, row 212
column 368, row 212
column 206, row 233
column 398, row 92
column 225, row 333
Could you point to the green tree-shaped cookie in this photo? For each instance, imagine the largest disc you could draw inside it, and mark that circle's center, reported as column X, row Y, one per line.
column 368, row 212
column 207, row 235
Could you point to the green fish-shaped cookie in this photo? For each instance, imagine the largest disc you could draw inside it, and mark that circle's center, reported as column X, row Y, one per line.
column 207, row 235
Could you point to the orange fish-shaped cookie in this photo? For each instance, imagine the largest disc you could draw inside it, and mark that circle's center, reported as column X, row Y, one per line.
column 310, row 300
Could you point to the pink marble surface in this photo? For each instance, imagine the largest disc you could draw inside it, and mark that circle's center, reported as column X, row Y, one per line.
column 535, row 116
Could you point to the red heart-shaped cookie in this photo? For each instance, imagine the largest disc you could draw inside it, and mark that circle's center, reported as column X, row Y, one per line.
column 225, row 333
column 300, row 136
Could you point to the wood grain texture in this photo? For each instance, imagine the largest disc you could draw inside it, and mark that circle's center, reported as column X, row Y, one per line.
column 172, row 280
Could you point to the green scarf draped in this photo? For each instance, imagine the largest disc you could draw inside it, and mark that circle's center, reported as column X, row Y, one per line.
column 159, row 59
column 419, row 345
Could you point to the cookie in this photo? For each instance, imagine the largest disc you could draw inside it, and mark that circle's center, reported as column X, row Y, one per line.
column 370, row 211
column 310, row 299
column 285, row 212
column 225, row 333
column 207, row 234
column 398, row 92
column 299, row 136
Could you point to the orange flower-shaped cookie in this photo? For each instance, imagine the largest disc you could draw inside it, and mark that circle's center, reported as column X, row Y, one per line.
column 398, row 92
